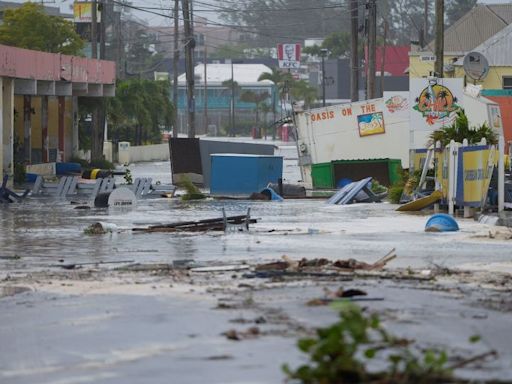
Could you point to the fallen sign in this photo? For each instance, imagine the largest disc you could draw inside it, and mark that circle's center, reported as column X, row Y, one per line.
column 240, row 223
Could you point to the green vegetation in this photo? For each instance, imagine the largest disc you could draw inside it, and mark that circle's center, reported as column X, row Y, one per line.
column 140, row 110
column 341, row 352
column 337, row 44
column 461, row 130
column 30, row 27
column 407, row 184
column 193, row 193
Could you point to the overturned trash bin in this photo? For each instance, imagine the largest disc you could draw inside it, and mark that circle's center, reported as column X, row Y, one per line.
column 441, row 222
column 119, row 198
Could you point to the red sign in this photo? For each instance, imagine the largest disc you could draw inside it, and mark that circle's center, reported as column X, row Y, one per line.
column 288, row 55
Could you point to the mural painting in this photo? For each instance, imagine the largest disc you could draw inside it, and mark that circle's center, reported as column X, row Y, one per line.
column 436, row 102
column 371, row 124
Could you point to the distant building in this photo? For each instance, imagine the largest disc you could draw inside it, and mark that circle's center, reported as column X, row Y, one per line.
column 206, row 35
column 219, row 95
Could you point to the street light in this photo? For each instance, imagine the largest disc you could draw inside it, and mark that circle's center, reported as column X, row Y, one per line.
column 323, row 53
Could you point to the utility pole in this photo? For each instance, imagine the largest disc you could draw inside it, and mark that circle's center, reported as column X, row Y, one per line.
column 94, row 30
column 189, row 63
column 383, row 59
column 438, row 68
column 96, row 120
column 324, row 52
column 205, row 90
column 354, row 51
column 425, row 22
column 175, row 63
column 372, row 45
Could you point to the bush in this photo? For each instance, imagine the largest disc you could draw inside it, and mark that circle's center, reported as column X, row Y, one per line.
column 340, row 353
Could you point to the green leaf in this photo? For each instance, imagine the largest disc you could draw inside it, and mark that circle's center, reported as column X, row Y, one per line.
column 370, row 353
column 475, row 339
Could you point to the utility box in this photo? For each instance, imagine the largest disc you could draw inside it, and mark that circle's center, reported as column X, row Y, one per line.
column 241, row 175
column 124, row 152
column 321, row 174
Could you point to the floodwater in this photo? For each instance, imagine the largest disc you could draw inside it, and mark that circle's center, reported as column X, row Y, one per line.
column 129, row 330
column 42, row 232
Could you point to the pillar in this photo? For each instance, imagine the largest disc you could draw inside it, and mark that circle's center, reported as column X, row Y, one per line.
column 1, row 131
column 6, row 127
column 27, row 129
column 44, row 128
column 61, row 112
column 75, row 142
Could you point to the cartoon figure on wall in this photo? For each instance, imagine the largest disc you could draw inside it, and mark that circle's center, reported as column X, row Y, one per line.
column 436, row 102
column 371, row 124
column 397, row 103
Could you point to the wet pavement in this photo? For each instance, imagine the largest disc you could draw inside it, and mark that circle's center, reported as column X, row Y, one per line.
column 136, row 328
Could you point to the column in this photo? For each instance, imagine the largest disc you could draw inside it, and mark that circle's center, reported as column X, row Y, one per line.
column 2, row 109
column 44, row 128
column 61, row 112
column 27, row 128
column 7, row 127
column 75, row 126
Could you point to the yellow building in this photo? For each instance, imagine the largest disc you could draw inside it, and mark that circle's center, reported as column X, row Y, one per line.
column 479, row 30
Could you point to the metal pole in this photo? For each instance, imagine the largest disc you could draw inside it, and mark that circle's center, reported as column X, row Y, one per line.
column 205, row 91
column 189, row 59
column 383, row 59
column 354, row 56
column 323, row 80
column 232, row 100
column 425, row 22
column 501, row 173
column 372, row 41
column 438, row 68
column 175, row 63
column 94, row 31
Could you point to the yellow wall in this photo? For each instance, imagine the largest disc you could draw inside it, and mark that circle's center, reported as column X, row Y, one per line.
column 494, row 79
column 418, row 68
column 53, row 122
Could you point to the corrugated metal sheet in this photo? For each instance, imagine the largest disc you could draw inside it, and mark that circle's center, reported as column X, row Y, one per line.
column 27, row 64
column 477, row 26
column 497, row 49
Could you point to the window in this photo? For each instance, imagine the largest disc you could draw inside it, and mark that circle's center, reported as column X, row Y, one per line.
column 507, row 82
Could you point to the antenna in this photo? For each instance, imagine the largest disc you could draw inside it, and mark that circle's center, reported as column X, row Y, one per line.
column 476, row 66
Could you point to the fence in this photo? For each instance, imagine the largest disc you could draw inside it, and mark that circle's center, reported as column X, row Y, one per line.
column 463, row 172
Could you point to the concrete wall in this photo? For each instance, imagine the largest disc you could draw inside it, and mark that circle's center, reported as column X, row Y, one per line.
column 128, row 154
column 476, row 110
column 6, row 126
column 53, row 127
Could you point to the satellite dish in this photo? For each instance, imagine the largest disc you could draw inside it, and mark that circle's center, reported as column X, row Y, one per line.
column 476, row 65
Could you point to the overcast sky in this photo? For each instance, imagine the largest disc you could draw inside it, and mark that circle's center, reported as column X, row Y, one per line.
column 67, row 6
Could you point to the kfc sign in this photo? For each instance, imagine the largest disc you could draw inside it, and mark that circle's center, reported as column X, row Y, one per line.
column 288, row 55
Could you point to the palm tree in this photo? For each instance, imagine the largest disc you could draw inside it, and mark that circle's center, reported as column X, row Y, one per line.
column 258, row 99
column 233, row 89
column 301, row 90
column 280, row 80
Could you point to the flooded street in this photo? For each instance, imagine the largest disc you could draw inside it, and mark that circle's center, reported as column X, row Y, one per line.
column 105, row 324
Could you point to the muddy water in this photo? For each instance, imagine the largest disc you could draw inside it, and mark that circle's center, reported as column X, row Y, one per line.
column 40, row 232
